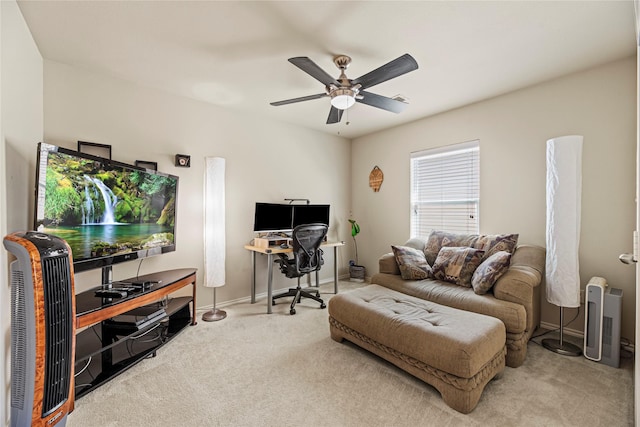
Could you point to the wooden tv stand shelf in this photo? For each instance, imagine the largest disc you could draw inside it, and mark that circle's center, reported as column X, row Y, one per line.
column 106, row 348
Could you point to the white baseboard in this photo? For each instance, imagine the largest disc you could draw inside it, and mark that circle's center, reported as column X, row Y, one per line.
column 579, row 334
column 260, row 295
column 568, row 331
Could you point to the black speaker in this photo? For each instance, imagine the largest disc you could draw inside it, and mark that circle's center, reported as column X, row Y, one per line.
column 183, row 160
column 42, row 329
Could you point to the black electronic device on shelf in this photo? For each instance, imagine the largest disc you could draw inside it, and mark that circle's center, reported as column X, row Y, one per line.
column 138, row 318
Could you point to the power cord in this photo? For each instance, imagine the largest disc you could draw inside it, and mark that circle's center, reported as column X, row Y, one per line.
column 84, row 368
column 557, row 329
column 138, row 270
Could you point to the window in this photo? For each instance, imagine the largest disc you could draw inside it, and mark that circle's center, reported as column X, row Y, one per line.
column 445, row 189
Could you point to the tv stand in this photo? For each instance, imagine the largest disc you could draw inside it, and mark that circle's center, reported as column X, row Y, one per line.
column 106, row 276
column 105, row 347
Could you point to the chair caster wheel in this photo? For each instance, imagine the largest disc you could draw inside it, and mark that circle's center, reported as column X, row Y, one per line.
column 292, row 311
column 323, row 305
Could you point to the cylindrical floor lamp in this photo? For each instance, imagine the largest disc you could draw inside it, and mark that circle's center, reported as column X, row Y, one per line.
column 214, row 231
column 564, row 193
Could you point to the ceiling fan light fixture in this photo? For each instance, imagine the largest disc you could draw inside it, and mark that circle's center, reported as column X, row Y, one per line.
column 343, row 98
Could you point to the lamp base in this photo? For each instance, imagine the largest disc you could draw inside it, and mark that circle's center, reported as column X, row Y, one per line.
column 214, row 315
column 561, row 347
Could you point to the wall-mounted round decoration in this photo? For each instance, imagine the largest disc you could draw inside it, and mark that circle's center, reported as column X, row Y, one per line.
column 375, row 178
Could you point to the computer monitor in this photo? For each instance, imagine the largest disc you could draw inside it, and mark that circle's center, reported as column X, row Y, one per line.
column 310, row 214
column 272, row 217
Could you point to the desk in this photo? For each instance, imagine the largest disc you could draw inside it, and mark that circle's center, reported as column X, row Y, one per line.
column 269, row 252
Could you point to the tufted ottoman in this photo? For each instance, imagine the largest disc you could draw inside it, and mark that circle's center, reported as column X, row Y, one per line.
column 456, row 351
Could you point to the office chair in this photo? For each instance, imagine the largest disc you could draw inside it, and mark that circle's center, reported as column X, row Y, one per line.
column 307, row 257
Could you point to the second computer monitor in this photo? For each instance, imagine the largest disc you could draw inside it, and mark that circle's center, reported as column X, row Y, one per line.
column 310, row 214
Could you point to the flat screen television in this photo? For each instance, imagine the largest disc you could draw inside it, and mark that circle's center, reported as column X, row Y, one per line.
column 108, row 212
column 310, row 214
column 272, row 218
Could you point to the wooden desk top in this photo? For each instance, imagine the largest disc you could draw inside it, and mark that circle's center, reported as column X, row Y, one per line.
column 279, row 250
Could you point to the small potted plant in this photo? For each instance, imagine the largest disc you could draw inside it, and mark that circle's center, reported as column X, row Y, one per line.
column 356, row 272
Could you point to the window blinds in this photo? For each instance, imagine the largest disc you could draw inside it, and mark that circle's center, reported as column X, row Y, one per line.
column 445, row 189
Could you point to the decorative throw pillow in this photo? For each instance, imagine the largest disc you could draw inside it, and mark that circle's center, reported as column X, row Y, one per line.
column 411, row 262
column 456, row 264
column 492, row 243
column 438, row 239
column 490, row 271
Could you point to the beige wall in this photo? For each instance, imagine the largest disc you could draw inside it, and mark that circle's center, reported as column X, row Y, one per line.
column 265, row 161
column 21, row 123
column 513, row 130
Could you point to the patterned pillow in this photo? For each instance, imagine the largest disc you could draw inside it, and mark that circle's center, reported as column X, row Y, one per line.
column 457, row 264
column 438, row 239
column 490, row 271
column 491, row 244
column 411, row 262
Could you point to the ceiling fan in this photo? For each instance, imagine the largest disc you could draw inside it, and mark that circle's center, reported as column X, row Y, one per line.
column 345, row 92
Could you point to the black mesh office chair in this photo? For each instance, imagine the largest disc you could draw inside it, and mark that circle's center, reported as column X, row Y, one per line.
column 307, row 257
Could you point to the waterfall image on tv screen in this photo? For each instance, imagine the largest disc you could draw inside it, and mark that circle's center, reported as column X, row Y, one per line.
column 102, row 208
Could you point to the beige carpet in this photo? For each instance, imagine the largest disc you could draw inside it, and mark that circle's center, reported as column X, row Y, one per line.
column 254, row 369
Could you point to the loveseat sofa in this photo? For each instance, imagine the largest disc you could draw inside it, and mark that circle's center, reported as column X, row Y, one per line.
column 513, row 298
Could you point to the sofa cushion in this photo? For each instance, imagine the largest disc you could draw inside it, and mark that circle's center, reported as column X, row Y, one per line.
column 490, row 271
column 512, row 314
column 411, row 262
column 457, row 264
column 416, row 243
column 492, row 243
column 438, row 239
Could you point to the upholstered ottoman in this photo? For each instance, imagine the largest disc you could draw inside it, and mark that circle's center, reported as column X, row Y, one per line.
column 456, row 351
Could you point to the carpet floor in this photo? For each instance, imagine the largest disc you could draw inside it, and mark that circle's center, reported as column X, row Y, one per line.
column 255, row 369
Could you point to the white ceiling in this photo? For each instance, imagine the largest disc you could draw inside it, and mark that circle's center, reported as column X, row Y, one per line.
column 234, row 54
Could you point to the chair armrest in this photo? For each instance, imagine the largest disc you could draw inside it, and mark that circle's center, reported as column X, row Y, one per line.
column 387, row 264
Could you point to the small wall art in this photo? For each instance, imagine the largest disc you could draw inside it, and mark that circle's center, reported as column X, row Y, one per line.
column 95, row 149
column 375, row 178
column 147, row 165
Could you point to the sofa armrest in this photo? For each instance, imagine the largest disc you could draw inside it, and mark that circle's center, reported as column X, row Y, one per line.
column 387, row 264
column 520, row 284
column 516, row 285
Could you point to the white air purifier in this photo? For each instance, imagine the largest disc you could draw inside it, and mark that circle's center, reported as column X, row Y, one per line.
column 602, row 322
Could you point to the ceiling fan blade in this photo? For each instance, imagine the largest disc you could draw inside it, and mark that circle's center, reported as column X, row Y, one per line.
column 383, row 102
column 334, row 115
column 311, row 68
column 388, row 71
column 302, row 98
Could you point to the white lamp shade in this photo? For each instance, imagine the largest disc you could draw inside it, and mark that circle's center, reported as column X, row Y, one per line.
column 214, row 222
column 564, row 194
